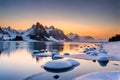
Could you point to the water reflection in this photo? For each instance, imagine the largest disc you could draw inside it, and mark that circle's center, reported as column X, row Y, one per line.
column 20, row 63
column 9, row 47
column 103, row 63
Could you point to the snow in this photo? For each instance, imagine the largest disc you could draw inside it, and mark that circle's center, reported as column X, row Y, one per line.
column 54, row 52
column 89, row 57
column 11, row 33
column 58, row 56
column 57, row 64
column 48, row 30
column 43, row 55
column 93, row 53
column 100, row 76
column 26, row 38
column 35, row 51
column 73, row 62
column 103, row 59
column 110, row 51
column 53, row 39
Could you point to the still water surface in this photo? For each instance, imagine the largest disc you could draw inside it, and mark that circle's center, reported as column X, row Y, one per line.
column 17, row 61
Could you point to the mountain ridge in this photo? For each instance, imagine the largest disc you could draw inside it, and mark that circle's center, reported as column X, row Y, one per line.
column 38, row 32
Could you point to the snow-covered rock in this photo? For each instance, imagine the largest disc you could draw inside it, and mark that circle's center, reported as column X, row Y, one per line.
column 43, row 55
column 103, row 59
column 54, row 52
column 73, row 62
column 58, row 56
column 57, row 64
column 93, row 53
column 102, row 51
column 35, row 51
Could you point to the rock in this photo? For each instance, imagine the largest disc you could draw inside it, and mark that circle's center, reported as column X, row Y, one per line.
column 103, row 59
column 56, row 76
column 103, row 51
column 93, row 53
column 58, row 56
column 54, row 52
column 66, row 54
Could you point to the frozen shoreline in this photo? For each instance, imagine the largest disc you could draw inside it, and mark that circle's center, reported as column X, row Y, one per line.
column 112, row 75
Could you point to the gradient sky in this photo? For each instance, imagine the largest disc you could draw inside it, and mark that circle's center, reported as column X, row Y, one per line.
column 97, row 18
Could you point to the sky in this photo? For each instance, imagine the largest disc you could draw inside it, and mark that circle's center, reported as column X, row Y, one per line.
column 97, row 18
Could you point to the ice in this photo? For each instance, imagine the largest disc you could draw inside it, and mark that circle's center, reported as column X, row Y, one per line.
column 100, row 76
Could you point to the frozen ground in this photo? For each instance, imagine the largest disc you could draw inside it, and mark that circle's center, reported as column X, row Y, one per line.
column 100, row 76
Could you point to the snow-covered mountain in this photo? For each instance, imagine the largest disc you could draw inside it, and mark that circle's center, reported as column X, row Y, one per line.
column 43, row 33
column 8, row 33
column 38, row 32
column 76, row 37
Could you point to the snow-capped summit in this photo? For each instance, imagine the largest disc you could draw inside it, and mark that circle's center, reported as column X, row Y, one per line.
column 44, row 33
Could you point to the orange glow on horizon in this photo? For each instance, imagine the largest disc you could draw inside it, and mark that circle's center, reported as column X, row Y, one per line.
column 67, row 26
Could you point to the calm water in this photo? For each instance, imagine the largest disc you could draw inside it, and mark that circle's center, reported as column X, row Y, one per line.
column 18, row 63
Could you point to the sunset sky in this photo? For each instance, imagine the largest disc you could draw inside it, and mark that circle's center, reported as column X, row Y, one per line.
column 97, row 18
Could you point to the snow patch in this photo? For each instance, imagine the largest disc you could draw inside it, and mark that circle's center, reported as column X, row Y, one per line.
column 100, row 76
column 73, row 62
column 57, row 64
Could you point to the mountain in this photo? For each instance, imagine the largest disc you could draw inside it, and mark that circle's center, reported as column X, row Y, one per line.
column 76, row 37
column 43, row 33
column 8, row 33
column 38, row 32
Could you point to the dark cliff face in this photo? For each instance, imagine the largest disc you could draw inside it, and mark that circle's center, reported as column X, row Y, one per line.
column 58, row 34
column 39, row 33
column 2, row 31
column 115, row 38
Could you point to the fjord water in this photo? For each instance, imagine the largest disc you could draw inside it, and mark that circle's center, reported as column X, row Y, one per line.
column 17, row 61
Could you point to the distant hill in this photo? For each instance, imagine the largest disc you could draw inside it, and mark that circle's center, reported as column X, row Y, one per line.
column 115, row 38
column 76, row 37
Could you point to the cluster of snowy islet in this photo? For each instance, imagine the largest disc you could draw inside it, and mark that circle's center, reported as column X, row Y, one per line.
column 101, row 53
column 65, row 64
